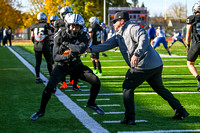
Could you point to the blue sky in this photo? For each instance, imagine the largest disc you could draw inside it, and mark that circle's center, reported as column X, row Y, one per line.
column 154, row 6
column 158, row 6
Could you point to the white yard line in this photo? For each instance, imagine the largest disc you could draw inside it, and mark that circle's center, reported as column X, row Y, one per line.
column 136, row 93
column 162, row 131
column 104, row 99
column 137, row 121
column 110, row 113
column 79, row 113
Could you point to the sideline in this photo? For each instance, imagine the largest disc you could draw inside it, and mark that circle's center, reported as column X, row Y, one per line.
column 164, row 131
column 79, row 113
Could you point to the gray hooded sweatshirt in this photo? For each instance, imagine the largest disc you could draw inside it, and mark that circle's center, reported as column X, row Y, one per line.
column 132, row 40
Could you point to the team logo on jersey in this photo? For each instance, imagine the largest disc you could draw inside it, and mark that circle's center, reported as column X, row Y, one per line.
column 39, row 34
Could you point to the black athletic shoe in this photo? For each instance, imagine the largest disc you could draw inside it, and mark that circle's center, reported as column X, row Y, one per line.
column 39, row 80
column 180, row 114
column 198, row 88
column 36, row 116
column 95, row 108
column 127, row 122
column 104, row 54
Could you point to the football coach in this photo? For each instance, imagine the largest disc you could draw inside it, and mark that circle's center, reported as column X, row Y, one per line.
column 144, row 62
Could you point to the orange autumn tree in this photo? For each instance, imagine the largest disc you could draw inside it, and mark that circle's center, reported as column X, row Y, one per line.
column 9, row 14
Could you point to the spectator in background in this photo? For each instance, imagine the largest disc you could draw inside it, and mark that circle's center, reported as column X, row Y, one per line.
column 9, row 35
column 151, row 32
column 1, row 35
column 105, row 34
column 5, row 35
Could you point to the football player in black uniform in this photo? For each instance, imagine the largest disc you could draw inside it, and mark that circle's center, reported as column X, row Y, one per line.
column 60, row 22
column 96, row 35
column 41, row 35
column 52, row 19
column 193, row 27
column 69, row 44
column 65, row 12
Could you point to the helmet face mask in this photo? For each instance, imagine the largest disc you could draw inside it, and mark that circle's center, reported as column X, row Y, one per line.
column 53, row 18
column 64, row 11
column 196, row 8
column 75, row 24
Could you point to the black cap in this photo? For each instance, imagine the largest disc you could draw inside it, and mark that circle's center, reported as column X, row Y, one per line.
column 120, row 15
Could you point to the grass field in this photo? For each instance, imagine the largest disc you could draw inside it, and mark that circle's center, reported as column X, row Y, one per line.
column 20, row 96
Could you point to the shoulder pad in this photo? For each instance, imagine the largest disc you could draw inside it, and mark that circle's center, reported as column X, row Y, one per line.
column 190, row 19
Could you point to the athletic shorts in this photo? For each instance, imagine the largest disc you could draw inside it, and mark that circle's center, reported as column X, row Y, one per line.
column 95, row 55
column 159, row 40
column 193, row 52
column 181, row 40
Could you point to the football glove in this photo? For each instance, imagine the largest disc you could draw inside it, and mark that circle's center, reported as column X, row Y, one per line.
column 66, row 52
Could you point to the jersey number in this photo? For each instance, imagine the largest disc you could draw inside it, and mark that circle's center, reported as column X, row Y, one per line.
column 99, row 36
column 39, row 34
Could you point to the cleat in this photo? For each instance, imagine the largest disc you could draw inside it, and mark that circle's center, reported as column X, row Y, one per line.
column 105, row 55
column 180, row 114
column 198, row 88
column 127, row 122
column 78, row 86
column 71, row 82
column 95, row 108
column 99, row 74
column 64, row 86
column 39, row 80
column 95, row 71
column 36, row 116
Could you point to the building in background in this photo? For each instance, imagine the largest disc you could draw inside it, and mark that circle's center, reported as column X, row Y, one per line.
column 138, row 15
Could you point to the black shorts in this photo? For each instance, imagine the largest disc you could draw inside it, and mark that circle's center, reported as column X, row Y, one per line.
column 193, row 52
column 95, row 55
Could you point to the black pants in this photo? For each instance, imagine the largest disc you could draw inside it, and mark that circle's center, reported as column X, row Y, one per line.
column 4, row 41
column 134, row 78
column 81, row 72
column 9, row 39
column 38, row 57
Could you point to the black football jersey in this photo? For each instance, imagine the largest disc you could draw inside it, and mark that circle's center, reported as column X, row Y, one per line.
column 58, row 24
column 40, row 31
column 194, row 20
column 97, row 31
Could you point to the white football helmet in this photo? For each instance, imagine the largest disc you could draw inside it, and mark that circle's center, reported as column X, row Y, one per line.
column 53, row 18
column 75, row 19
column 41, row 16
column 64, row 11
column 196, row 7
column 94, row 20
column 67, row 17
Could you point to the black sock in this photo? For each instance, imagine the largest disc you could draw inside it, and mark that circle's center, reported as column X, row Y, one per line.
column 99, row 66
column 94, row 64
column 198, row 78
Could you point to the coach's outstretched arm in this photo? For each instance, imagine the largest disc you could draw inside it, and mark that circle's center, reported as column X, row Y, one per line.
column 107, row 45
